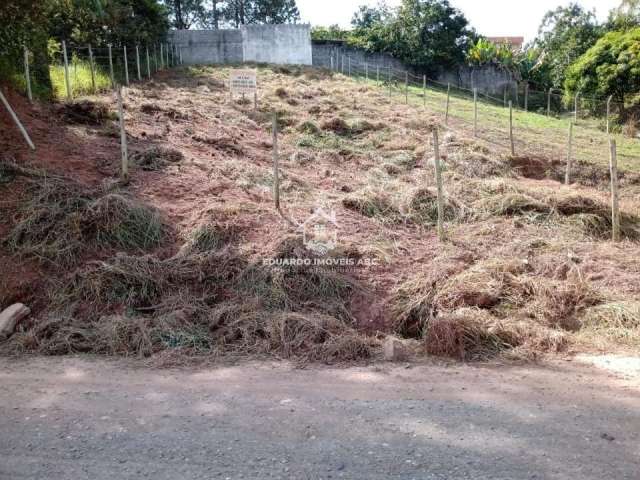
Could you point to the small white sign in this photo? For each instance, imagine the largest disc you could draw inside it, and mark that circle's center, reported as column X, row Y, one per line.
column 243, row 82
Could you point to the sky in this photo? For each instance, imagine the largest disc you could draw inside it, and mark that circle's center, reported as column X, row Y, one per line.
column 489, row 17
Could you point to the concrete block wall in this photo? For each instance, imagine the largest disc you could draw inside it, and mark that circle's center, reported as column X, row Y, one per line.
column 487, row 79
column 279, row 44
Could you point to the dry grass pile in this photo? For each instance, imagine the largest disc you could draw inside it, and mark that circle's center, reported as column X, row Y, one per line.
column 423, row 207
column 156, row 158
column 492, row 307
column 212, row 302
column 61, row 221
column 617, row 322
column 86, row 112
column 373, row 204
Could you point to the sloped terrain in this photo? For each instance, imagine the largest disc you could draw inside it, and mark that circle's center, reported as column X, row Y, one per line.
column 172, row 265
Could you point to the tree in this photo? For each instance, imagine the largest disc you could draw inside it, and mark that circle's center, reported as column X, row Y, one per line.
column 366, row 17
column 627, row 15
column 333, row 32
column 610, row 67
column 565, row 34
column 428, row 33
column 185, row 13
column 274, row 12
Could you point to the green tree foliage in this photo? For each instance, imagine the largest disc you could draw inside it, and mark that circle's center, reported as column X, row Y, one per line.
column 626, row 16
column 185, row 13
column 24, row 22
column 423, row 33
column 610, row 67
column 107, row 21
column 246, row 12
column 565, row 34
column 334, row 32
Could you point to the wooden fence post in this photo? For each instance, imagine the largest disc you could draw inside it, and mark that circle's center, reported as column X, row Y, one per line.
column 161, row 56
column 615, row 211
column 526, row 97
column 66, row 69
column 92, row 65
column 111, row 74
column 366, row 71
column 609, row 114
column 124, row 174
column 406, row 87
column 276, row 170
column 378, row 75
column 138, row 63
column 148, row 62
column 511, row 140
column 475, row 112
column 27, row 74
column 576, row 107
column 504, row 101
column 331, row 57
column 446, row 108
column 389, row 77
column 126, row 67
column 424, row 90
column 349, row 62
column 436, row 161
column 549, row 102
column 567, row 177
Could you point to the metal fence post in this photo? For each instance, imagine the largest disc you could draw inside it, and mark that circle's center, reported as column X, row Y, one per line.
column 66, row 69
column 27, row 73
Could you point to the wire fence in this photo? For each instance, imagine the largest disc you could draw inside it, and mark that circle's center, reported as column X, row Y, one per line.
column 85, row 69
column 535, row 124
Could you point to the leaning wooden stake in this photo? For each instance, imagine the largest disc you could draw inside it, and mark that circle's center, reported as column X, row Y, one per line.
column 16, row 120
column 567, row 177
column 123, row 138
column 615, row 211
column 27, row 74
column 436, row 161
column 513, row 145
column 446, row 108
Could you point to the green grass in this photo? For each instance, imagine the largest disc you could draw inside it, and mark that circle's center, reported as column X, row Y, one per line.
column 535, row 134
column 80, row 79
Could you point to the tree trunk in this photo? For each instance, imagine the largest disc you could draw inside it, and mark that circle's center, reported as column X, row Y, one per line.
column 179, row 19
column 215, row 15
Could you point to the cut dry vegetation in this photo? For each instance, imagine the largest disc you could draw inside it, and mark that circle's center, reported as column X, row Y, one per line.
column 191, row 259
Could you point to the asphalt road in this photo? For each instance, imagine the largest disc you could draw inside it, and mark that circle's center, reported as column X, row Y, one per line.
column 89, row 418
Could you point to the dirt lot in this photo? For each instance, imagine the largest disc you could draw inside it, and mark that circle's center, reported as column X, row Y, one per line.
column 91, row 418
column 172, row 264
